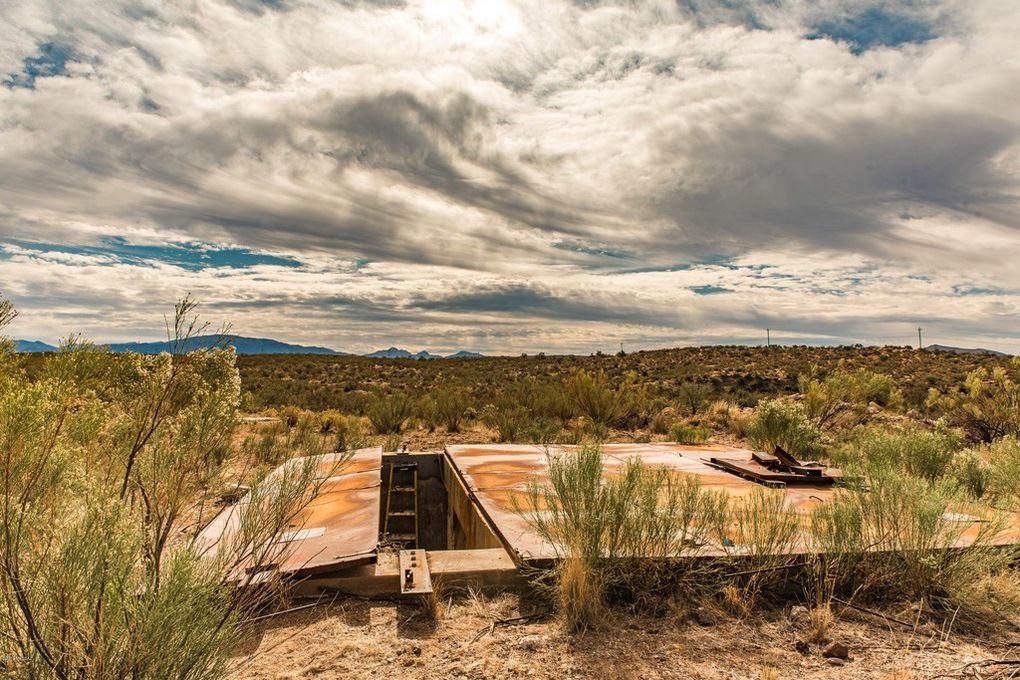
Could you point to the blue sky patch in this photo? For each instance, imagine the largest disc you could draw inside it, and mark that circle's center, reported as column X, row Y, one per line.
column 710, row 290
column 191, row 256
column 874, row 27
column 52, row 61
column 576, row 247
column 977, row 290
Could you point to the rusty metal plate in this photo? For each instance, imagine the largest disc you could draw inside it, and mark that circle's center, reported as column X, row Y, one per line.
column 499, row 475
column 339, row 527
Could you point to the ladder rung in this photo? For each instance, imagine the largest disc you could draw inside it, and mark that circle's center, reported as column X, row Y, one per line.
column 402, row 513
column 401, row 537
column 402, row 489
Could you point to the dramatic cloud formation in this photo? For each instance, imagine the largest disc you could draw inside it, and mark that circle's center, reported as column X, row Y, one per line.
column 514, row 175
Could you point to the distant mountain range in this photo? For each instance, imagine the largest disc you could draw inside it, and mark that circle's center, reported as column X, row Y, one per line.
column 397, row 353
column 962, row 350
column 243, row 345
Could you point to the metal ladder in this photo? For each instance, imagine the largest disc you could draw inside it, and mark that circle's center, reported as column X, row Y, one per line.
column 403, row 510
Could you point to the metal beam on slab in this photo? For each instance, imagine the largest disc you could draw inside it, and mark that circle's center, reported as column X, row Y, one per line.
column 415, row 578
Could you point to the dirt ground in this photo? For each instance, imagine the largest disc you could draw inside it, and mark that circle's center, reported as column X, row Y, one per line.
column 371, row 639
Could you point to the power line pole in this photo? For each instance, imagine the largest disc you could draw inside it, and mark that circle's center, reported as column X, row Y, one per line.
column 768, row 337
column 919, row 345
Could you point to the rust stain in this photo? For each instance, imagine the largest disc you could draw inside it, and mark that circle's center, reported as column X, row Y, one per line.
column 346, row 507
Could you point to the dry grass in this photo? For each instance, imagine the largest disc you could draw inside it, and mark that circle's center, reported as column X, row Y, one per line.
column 580, row 596
column 820, row 624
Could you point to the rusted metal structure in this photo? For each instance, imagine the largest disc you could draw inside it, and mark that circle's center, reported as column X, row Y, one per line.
column 338, row 529
column 498, row 477
column 335, row 541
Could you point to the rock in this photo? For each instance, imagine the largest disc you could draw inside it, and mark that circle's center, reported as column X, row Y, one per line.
column 874, row 408
column 800, row 615
column 416, row 650
column 705, row 617
column 837, row 650
column 802, row 646
column 533, row 643
column 232, row 493
column 834, row 661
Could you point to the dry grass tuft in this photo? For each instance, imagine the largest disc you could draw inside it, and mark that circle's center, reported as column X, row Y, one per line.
column 433, row 604
column 580, row 595
column 820, row 623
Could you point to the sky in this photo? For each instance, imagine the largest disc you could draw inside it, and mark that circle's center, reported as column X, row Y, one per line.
column 505, row 177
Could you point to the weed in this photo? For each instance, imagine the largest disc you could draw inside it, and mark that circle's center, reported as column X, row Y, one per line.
column 387, row 414
column 783, row 423
column 597, row 401
column 689, row 434
column 988, row 406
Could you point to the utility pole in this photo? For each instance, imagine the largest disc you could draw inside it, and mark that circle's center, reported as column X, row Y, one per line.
column 919, row 345
column 768, row 337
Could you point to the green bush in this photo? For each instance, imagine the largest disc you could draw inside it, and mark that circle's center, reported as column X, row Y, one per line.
column 102, row 457
column 783, row 423
column 988, row 406
column 629, row 537
column 445, row 407
column 689, row 434
column 845, row 394
column 693, row 397
column 387, row 414
column 290, row 415
column 901, row 536
column 1004, row 470
column 908, row 448
column 596, row 400
column 515, row 423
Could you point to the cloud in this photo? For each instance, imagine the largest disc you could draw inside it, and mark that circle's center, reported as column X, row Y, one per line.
column 585, row 166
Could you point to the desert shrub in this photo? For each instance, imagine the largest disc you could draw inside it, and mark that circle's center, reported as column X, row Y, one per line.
column 719, row 413
column 516, row 423
column 510, row 422
column 689, row 434
column 1003, row 472
column 101, row 457
column 350, row 434
column 543, row 400
column 903, row 537
column 988, row 406
column 630, row 537
column 445, row 407
column 908, row 448
column 740, row 421
column 387, row 414
column 596, row 400
column 844, row 393
column 267, row 446
column 971, row 472
column 662, row 421
column 330, row 421
column 783, row 423
column 692, row 397
column 290, row 415
column 761, row 530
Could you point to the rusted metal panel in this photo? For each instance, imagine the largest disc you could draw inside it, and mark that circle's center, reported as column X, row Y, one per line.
column 339, row 527
column 498, row 476
column 466, row 526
